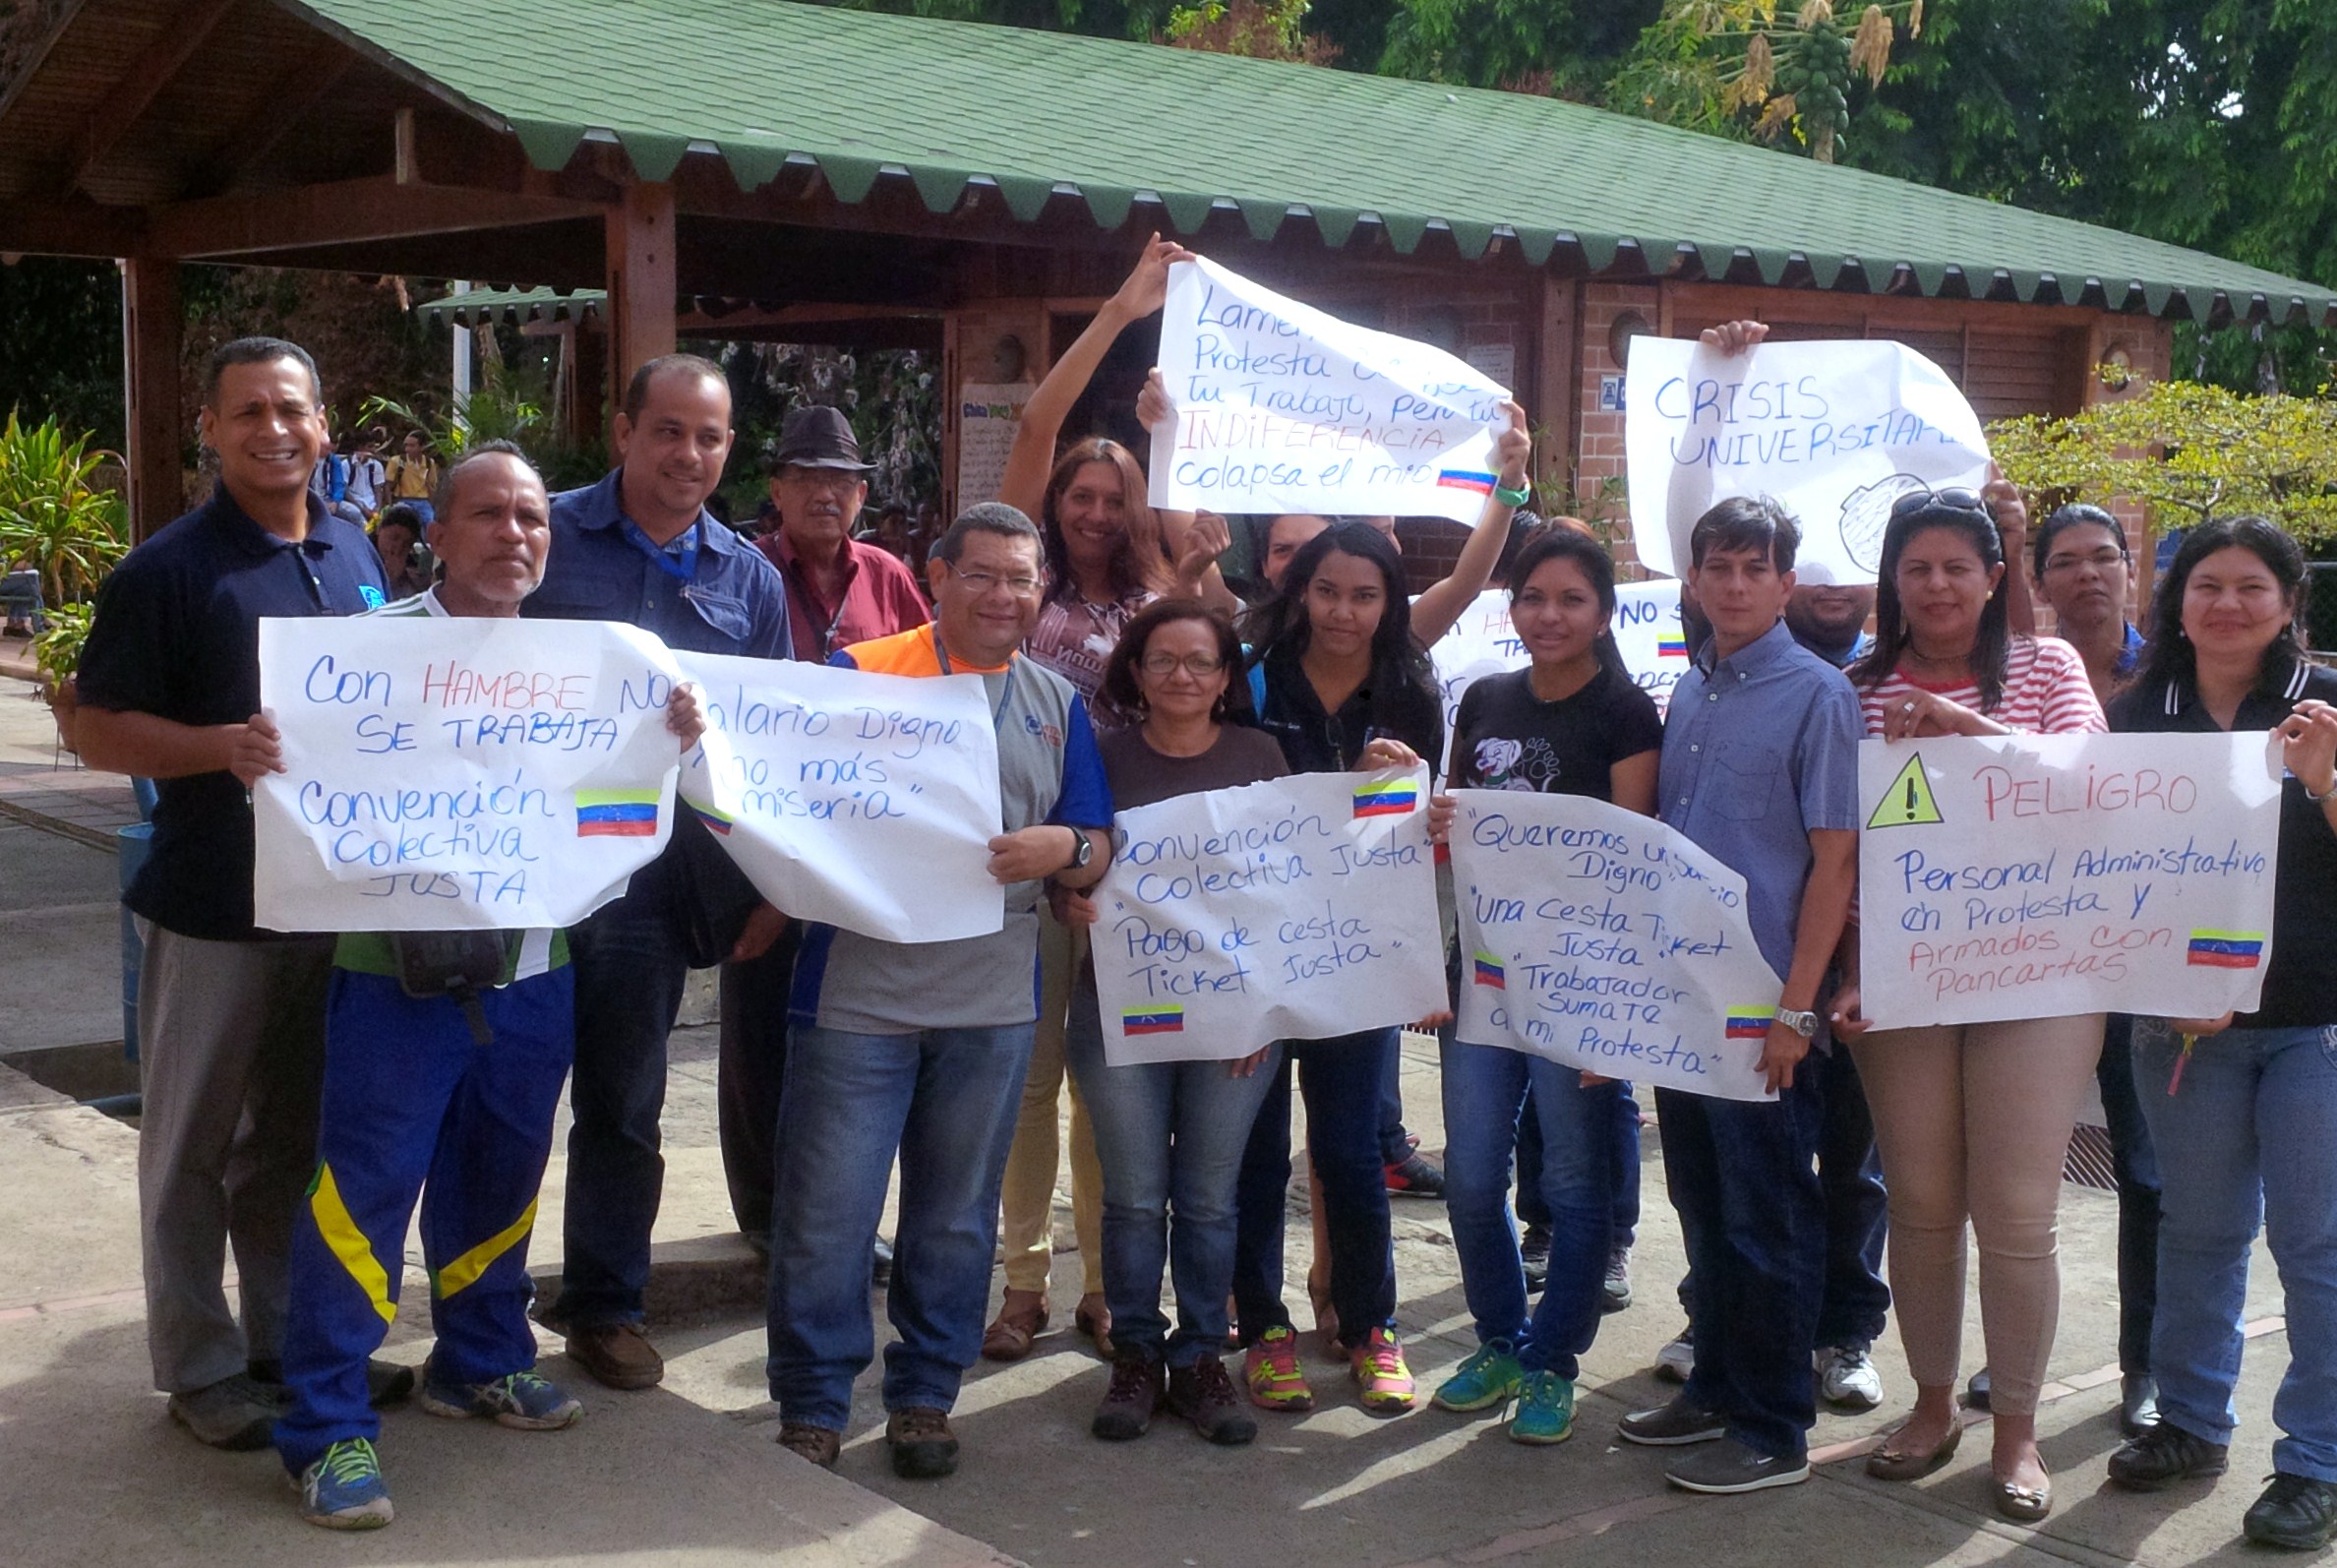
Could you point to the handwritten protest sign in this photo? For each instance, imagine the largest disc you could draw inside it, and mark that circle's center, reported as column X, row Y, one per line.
column 2042, row 875
column 856, row 800
column 1292, row 910
column 989, row 415
column 1280, row 407
column 1484, row 642
column 1836, row 431
column 1602, row 940
column 456, row 773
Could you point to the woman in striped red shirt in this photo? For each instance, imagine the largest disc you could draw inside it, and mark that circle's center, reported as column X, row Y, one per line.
column 1971, row 1120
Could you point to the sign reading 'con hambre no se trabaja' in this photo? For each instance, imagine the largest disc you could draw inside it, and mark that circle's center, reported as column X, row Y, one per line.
column 1282, row 407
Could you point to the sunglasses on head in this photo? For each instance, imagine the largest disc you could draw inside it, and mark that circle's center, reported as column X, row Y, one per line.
column 1955, row 499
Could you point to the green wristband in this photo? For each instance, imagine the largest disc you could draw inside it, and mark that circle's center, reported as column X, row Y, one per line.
column 1512, row 498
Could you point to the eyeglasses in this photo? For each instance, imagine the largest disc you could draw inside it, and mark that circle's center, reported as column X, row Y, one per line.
column 983, row 583
column 1163, row 665
column 1955, row 499
column 821, row 479
column 2106, row 559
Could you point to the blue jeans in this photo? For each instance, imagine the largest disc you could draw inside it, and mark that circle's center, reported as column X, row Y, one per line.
column 1484, row 1088
column 627, row 957
column 1531, row 1208
column 1169, row 1136
column 2134, row 1166
column 1341, row 1078
column 943, row 1100
column 1854, row 1302
column 1743, row 1177
column 2245, row 1139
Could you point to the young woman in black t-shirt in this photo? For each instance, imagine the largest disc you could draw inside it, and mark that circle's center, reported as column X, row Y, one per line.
column 1571, row 723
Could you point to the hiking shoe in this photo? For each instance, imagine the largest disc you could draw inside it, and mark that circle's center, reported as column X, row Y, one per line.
column 817, row 1444
column 1203, row 1393
column 1134, row 1393
column 924, row 1448
column 1533, row 1250
column 2162, row 1455
column 616, row 1355
column 525, row 1400
column 233, row 1412
column 1730, row 1466
column 1377, row 1365
column 1671, row 1425
column 343, row 1490
column 2295, row 1511
column 1676, row 1361
column 1615, row 1289
column 1846, row 1376
column 1490, row 1377
column 1415, row 1175
column 1545, row 1410
column 1271, row 1370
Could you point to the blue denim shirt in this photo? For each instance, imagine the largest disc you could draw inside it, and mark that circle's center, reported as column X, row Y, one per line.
column 1760, row 750
column 733, row 603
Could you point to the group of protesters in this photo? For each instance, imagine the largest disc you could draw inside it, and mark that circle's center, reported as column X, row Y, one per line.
column 302, row 1093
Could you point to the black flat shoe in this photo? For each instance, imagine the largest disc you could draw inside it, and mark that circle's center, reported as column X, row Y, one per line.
column 2295, row 1511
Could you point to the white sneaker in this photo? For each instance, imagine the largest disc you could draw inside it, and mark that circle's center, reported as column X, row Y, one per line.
column 1846, row 1377
column 1676, row 1361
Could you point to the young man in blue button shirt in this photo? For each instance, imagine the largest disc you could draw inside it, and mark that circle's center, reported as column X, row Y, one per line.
column 640, row 546
column 230, row 1018
column 1760, row 767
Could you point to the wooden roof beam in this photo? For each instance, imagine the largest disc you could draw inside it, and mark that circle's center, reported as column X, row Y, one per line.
column 77, row 228
column 118, row 112
column 343, row 212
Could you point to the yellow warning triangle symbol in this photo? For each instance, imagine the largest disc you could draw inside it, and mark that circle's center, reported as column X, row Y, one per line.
column 1909, row 801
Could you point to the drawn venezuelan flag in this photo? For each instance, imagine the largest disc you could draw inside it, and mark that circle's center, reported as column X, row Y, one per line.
column 1468, row 479
column 2226, row 949
column 1152, row 1020
column 1394, row 798
column 1671, row 648
column 1750, row 1023
column 616, row 814
column 717, row 822
column 1489, row 971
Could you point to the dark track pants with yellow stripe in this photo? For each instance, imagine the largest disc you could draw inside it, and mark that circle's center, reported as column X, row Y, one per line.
column 411, row 1098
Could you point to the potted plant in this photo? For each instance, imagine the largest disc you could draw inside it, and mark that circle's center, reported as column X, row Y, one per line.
column 57, row 519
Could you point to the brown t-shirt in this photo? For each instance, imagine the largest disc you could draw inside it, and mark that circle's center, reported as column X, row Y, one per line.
column 1141, row 776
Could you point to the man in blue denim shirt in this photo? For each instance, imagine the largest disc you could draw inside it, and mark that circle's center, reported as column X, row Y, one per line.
column 1759, row 767
column 640, row 547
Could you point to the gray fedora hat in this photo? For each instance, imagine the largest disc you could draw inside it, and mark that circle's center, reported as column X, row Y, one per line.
column 818, row 436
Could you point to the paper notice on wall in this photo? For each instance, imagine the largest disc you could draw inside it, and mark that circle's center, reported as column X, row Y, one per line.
column 856, row 800
column 1834, row 431
column 1603, row 940
column 989, row 415
column 457, row 774
column 1297, row 909
column 1484, row 641
column 2045, row 876
column 1282, row 407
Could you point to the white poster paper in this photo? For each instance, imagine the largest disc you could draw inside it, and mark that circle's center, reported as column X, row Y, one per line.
column 856, row 800
column 457, row 774
column 1280, row 407
column 1484, row 642
column 1602, row 940
column 989, row 415
column 2044, row 876
column 1292, row 910
column 1836, row 431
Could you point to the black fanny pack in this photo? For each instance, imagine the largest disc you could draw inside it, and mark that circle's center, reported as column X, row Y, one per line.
column 461, row 964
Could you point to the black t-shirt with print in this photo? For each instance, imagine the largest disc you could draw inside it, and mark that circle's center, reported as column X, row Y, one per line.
column 1504, row 738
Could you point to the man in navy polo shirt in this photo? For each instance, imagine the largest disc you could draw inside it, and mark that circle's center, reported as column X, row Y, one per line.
column 230, row 1018
column 640, row 546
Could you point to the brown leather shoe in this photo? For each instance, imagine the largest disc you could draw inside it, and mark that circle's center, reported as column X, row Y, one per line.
column 924, row 1448
column 1093, row 1319
column 618, row 1355
column 1022, row 1318
column 813, row 1443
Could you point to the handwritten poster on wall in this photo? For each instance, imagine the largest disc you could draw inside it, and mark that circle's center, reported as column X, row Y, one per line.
column 1292, row 910
column 454, row 773
column 856, row 800
column 989, row 414
column 1836, row 431
column 2045, row 876
column 1282, row 407
column 1602, row 940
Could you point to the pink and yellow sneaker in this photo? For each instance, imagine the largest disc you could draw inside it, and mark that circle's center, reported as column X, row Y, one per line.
column 1271, row 1370
column 1379, row 1371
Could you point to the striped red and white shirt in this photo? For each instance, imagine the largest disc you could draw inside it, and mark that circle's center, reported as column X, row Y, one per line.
column 2046, row 692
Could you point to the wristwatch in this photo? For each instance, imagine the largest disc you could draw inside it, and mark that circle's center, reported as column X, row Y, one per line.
column 1804, row 1024
column 1083, row 854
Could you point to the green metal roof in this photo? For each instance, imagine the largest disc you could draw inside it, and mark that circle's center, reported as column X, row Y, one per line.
column 764, row 82
column 473, row 306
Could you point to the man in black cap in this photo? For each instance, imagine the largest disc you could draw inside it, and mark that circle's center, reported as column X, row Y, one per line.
column 840, row 590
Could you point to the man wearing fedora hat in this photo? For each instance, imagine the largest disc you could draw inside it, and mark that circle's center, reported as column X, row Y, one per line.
column 839, row 591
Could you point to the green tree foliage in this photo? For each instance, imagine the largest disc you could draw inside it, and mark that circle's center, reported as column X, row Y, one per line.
column 1567, row 48
column 57, row 516
column 63, row 338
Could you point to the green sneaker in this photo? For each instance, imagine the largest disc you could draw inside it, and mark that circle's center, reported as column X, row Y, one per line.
column 1545, row 1410
column 1490, row 1377
column 343, row 1490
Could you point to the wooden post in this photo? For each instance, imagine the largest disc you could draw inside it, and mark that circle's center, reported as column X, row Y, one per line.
column 155, row 422
column 641, row 282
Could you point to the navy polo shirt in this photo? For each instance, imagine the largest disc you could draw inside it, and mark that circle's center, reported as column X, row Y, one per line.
column 177, row 635
column 601, row 570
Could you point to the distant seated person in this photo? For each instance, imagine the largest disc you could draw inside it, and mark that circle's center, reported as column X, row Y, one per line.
column 443, row 1056
column 412, row 476
column 397, row 538
column 891, row 532
column 20, row 591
